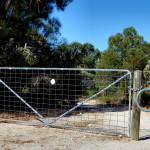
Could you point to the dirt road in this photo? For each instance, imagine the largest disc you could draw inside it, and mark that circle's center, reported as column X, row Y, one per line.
column 23, row 137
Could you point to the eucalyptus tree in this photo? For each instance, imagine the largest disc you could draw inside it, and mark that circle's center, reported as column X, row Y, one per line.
column 28, row 24
column 126, row 50
column 77, row 55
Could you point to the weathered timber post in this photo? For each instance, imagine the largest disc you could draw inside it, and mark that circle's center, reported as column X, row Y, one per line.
column 135, row 126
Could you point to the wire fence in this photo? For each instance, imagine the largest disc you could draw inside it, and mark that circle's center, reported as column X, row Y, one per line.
column 92, row 99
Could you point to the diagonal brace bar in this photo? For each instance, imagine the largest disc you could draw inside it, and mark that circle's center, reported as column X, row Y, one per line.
column 23, row 101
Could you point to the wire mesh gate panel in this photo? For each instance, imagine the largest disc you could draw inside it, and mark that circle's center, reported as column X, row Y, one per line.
column 92, row 99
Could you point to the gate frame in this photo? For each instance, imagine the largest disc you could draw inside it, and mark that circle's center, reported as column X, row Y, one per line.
column 128, row 73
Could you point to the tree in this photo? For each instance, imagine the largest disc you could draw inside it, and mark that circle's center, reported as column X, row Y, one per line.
column 126, row 50
column 109, row 60
column 24, row 14
column 76, row 55
column 90, row 56
column 28, row 23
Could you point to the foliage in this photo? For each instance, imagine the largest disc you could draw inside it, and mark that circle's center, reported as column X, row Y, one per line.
column 136, row 59
column 33, row 14
column 76, row 55
column 146, row 75
column 11, row 55
column 28, row 22
column 126, row 50
column 109, row 59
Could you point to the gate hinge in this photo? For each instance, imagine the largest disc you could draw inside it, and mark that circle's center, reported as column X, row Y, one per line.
column 135, row 90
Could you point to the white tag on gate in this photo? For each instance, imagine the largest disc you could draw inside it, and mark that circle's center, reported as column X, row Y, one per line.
column 53, row 81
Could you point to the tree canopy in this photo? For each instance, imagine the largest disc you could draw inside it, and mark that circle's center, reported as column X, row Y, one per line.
column 76, row 55
column 26, row 27
column 28, row 31
column 21, row 18
column 126, row 50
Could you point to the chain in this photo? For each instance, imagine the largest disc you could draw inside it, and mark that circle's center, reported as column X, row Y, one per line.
column 135, row 90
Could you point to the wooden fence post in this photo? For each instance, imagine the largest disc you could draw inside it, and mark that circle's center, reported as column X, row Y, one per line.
column 135, row 126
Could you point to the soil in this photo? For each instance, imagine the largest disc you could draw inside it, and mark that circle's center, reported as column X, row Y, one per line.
column 14, row 136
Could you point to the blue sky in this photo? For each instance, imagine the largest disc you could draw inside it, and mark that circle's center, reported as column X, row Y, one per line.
column 94, row 21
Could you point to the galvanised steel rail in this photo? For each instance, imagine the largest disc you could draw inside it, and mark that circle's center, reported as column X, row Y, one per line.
column 137, row 99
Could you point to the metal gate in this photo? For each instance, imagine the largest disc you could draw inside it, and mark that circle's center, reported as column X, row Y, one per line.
column 90, row 99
